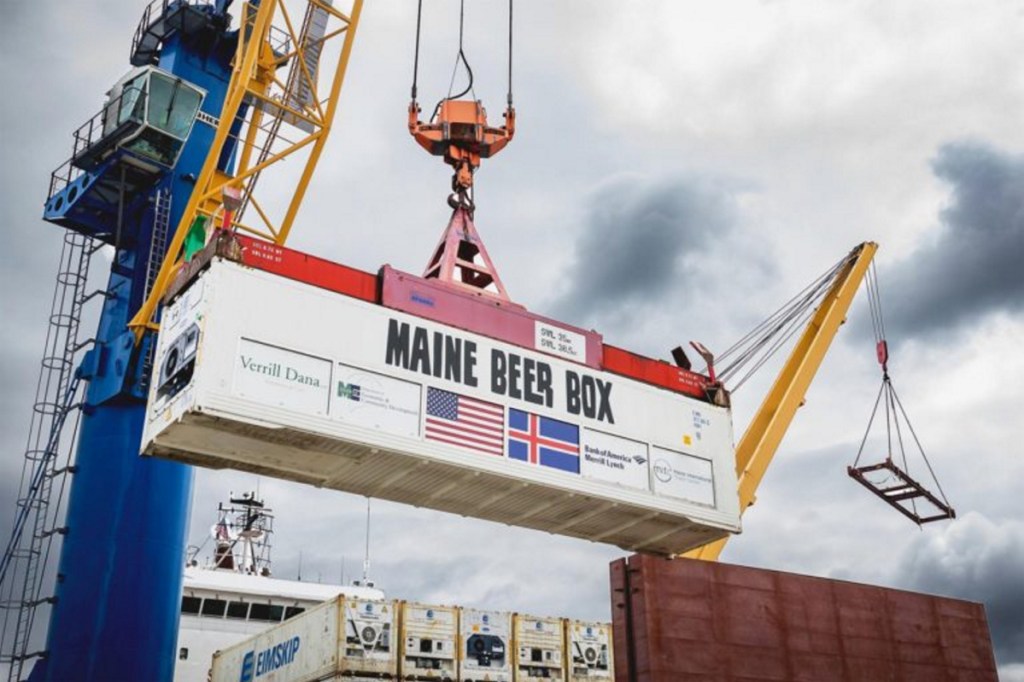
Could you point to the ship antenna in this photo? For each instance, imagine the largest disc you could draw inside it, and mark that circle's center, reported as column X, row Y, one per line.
column 366, row 556
column 299, row 578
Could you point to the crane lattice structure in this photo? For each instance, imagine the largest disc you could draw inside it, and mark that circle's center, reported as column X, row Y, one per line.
column 258, row 106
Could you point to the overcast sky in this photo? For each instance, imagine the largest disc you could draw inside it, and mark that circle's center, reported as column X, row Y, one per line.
column 679, row 171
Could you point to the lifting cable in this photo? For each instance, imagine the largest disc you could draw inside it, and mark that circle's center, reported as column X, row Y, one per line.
column 509, row 54
column 460, row 57
column 761, row 343
column 890, row 479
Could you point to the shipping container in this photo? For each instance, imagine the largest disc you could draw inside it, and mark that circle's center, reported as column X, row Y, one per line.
column 340, row 639
column 258, row 372
column 429, row 642
column 540, row 648
column 589, row 651
column 687, row 619
column 486, row 639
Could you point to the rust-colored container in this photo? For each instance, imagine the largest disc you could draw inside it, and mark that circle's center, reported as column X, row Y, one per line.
column 687, row 620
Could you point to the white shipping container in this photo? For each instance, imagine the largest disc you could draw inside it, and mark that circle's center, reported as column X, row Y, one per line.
column 369, row 647
column 540, row 648
column 339, row 638
column 429, row 637
column 265, row 374
column 590, row 651
column 486, row 638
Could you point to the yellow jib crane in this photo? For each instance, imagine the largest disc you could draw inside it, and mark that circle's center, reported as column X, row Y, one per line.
column 761, row 440
column 257, row 106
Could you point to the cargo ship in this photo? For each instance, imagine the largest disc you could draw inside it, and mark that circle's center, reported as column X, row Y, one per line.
column 239, row 622
column 234, row 596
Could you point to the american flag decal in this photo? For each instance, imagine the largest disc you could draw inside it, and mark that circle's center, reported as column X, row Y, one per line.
column 467, row 422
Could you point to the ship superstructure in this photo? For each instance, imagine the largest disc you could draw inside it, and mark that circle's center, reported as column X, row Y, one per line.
column 233, row 596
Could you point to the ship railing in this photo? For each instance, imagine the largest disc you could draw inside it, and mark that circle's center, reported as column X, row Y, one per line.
column 100, row 133
column 150, row 27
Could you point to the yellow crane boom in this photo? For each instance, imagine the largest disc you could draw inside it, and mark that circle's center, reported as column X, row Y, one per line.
column 257, row 103
column 761, row 440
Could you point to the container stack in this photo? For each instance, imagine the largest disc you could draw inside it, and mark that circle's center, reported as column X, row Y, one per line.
column 354, row 640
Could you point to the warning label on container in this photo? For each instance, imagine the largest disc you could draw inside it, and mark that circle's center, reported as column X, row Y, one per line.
column 282, row 378
column 614, row 459
column 679, row 475
column 375, row 401
column 558, row 341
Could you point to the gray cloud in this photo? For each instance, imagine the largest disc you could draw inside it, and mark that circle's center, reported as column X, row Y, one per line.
column 422, row 555
column 973, row 267
column 642, row 238
column 979, row 560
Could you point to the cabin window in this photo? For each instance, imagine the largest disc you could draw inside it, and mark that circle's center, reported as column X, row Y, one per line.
column 183, row 653
column 190, row 604
column 172, row 104
column 259, row 612
column 214, row 607
column 267, row 612
column 292, row 611
column 238, row 609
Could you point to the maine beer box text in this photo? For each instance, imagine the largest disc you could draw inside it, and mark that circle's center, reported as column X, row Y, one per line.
column 262, row 373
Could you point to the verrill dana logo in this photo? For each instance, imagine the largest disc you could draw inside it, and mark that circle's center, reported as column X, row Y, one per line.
column 268, row 660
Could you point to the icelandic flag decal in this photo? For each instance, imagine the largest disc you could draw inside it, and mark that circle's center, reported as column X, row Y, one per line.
column 543, row 441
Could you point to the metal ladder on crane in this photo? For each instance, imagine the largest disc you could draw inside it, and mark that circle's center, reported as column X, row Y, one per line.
column 157, row 249
column 38, row 515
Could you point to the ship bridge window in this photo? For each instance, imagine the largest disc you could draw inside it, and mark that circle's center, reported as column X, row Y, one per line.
column 292, row 611
column 214, row 607
column 190, row 604
column 238, row 609
column 267, row 612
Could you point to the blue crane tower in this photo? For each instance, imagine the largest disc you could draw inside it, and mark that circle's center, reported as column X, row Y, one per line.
column 132, row 170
